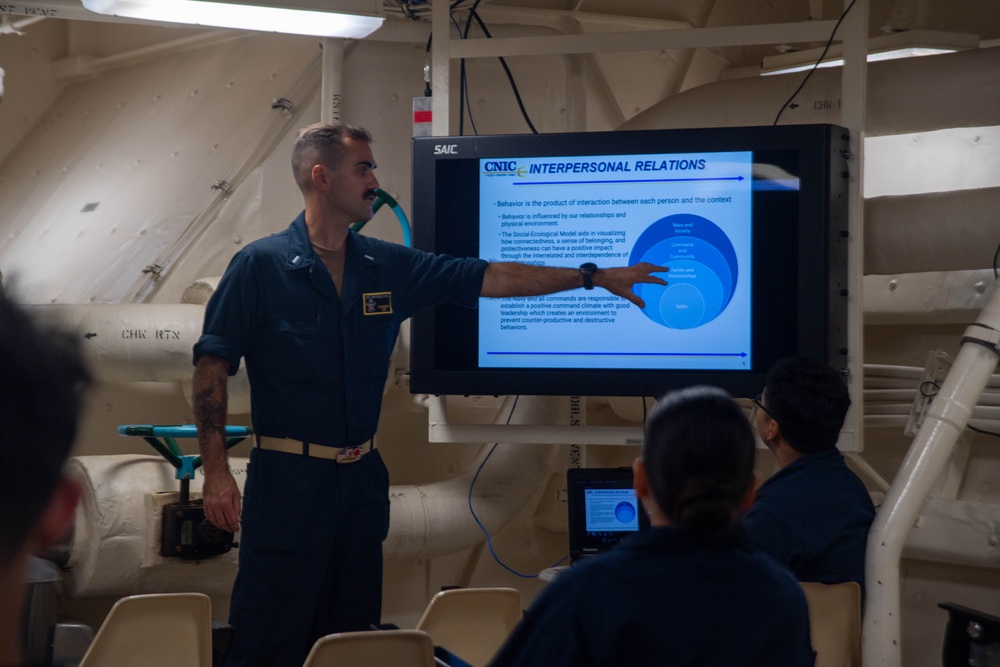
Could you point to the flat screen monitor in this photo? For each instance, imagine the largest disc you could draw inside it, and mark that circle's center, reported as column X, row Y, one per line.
column 751, row 221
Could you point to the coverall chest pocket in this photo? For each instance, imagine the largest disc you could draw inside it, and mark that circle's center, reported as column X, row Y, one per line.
column 300, row 344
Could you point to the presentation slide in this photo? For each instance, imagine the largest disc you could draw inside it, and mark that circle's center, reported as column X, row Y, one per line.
column 611, row 510
column 690, row 212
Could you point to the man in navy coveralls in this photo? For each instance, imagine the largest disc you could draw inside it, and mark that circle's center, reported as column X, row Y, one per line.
column 813, row 515
column 314, row 311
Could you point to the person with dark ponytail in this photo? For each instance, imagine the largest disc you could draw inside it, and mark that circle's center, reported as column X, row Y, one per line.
column 690, row 590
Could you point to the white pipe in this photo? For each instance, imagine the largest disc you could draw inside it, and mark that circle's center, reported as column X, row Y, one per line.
column 429, row 520
column 115, row 547
column 929, row 297
column 867, row 471
column 132, row 343
column 142, row 343
column 928, row 455
column 333, row 79
column 909, row 372
column 908, row 95
column 932, row 231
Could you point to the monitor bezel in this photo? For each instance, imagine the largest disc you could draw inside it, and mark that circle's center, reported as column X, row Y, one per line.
column 809, row 299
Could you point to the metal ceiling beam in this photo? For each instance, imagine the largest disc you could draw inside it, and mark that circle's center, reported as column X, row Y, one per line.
column 643, row 40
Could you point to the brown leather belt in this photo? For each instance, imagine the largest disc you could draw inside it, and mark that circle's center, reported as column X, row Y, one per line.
column 338, row 454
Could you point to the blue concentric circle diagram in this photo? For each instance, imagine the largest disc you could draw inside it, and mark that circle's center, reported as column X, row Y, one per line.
column 625, row 512
column 703, row 270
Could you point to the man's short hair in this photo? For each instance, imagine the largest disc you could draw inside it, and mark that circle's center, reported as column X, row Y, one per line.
column 809, row 401
column 322, row 143
column 42, row 374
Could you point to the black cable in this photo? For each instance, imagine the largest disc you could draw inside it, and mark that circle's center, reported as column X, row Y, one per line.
column 468, row 19
column 818, row 61
column 969, row 426
column 464, row 92
column 406, row 6
column 463, row 98
column 931, row 383
column 984, row 432
column 427, row 51
column 995, row 255
column 510, row 77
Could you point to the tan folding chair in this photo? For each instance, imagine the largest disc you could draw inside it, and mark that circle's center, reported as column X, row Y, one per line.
column 472, row 623
column 399, row 648
column 157, row 630
column 834, row 623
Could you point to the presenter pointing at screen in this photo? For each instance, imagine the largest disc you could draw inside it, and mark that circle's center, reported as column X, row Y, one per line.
column 512, row 279
column 314, row 311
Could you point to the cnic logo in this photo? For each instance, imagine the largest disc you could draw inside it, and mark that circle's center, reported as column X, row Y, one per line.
column 446, row 149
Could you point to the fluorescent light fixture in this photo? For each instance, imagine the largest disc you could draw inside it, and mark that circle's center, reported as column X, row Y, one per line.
column 908, row 44
column 321, row 18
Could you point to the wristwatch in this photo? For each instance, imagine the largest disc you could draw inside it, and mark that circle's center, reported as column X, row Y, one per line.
column 587, row 270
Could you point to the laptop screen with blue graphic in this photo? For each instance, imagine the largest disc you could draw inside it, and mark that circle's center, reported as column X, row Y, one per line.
column 602, row 509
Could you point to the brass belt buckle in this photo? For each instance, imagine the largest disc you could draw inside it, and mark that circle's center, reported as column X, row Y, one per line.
column 348, row 454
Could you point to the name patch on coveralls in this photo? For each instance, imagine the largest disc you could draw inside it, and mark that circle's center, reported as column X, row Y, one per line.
column 378, row 303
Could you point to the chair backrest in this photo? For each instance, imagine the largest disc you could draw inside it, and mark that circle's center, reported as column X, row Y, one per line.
column 399, row 648
column 835, row 623
column 157, row 630
column 472, row 623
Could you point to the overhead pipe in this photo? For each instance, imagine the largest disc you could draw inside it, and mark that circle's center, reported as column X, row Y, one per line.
column 932, row 231
column 928, row 297
column 332, row 85
column 959, row 89
column 125, row 343
column 430, row 520
column 131, row 342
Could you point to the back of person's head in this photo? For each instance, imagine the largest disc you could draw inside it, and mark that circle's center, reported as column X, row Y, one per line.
column 41, row 377
column 809, row 400
column 698, row 454
column 322, row 143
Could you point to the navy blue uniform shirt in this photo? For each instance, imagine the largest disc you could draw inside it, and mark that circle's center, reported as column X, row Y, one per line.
column 317, row 361
column 666, row 597
column 813, row 515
